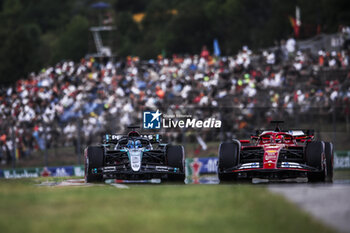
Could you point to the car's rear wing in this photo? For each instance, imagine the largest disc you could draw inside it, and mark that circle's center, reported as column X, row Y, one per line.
column 300, row 135
column 301, row 132
column 114, row 138
column 293, row 132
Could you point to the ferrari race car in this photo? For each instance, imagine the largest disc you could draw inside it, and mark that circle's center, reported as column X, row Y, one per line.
column 134, row 157
column 277, row 154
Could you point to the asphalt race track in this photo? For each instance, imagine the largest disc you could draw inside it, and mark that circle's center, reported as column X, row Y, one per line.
column 328, row 202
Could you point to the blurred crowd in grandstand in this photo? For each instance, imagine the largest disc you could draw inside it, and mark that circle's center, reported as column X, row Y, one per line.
column 52, row 107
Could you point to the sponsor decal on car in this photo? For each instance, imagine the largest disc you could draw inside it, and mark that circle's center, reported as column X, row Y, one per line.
column 271, row 151
column 161, row 168
column 269, row 157
column 290, row 165
column 249, row 165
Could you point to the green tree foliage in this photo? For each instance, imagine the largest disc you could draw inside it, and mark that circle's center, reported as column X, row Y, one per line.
column 128, row 34
column 135, row 6
column 256, row 23
column 73, row 43
column 18, row 53
column 36, row 33
column 47, row 14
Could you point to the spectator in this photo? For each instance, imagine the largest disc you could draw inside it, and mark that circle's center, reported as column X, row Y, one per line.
column 54, row 100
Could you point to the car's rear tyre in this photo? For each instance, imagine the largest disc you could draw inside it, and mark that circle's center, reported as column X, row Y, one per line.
column 314, row 155
column 329, row 152
column 93, row 159
column 228, row 157
column 176, row 158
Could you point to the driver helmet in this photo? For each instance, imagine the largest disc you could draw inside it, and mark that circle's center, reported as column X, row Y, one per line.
column 138, row 144
column 279, row 138
column 130, row 144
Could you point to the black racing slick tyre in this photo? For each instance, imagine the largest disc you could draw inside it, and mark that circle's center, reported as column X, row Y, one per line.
column 329, row 152
column 228, row 157
column 314, row 155
column 93, row 159
column 176, row 158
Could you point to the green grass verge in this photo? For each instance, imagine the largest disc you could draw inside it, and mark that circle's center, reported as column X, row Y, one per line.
column 27, row 208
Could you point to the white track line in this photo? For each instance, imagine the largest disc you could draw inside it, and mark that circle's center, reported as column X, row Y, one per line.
column 120, row 186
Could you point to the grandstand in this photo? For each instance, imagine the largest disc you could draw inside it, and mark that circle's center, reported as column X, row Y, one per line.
column 72, row 104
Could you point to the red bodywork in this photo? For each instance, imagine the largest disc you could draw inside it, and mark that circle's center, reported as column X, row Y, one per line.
column 272, row 143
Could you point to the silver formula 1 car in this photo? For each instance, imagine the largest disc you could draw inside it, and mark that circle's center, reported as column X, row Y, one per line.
column 134, row 157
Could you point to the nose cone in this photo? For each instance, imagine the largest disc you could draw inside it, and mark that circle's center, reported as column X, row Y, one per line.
column 271, row 157
column 135, row 159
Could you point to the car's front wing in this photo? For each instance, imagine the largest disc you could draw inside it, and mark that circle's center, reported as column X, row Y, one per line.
column 145, row 172
column 284, row 170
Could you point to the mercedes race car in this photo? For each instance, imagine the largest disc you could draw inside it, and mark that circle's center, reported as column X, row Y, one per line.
column 134, row 157
column 277, row 154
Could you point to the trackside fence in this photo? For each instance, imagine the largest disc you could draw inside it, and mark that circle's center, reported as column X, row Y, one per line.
column 194, row 168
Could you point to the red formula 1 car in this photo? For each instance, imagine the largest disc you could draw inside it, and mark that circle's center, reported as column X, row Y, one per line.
column 277, row 154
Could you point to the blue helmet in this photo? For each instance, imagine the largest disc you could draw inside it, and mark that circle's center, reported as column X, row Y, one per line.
column 130, row 144
column 138, row 144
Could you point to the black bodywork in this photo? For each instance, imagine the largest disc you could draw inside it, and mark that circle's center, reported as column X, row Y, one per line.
column 150, row 159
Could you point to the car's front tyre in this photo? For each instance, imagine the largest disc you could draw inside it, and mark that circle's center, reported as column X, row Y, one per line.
column 94, row 158
column 176, row 158
column 329, row 152
column 314, row 155
column 228, row 157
